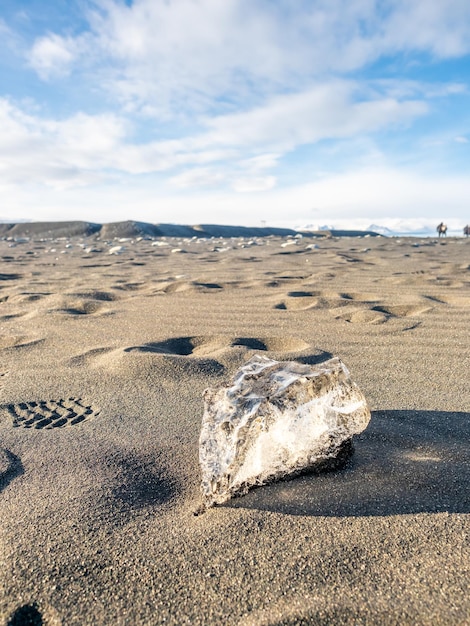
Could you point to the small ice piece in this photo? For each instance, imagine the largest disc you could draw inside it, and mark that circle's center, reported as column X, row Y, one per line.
column 276, row 419
column 116, row 250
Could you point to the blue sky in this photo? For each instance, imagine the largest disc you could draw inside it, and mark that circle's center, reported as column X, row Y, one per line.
column 288, row 112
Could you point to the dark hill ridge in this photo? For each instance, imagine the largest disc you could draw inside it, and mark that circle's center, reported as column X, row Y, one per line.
column 49, row 229
column 131, row 229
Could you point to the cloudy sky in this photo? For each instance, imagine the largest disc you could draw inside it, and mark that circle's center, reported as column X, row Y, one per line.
column 287, row 112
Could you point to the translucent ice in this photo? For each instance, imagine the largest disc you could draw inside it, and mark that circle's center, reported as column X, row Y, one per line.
column 276, row 419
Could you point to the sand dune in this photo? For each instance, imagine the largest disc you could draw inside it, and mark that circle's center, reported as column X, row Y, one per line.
column 106, row 347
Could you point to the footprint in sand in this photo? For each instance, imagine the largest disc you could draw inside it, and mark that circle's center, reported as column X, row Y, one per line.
column 303, row 300
column 359, row 296
column 77, row 307
column 299, row 301
column 378, row 314
column 403, row 310
column 100, row 296
column 18, row 341
column 451, row 300
column 284, row 281
column 359, row 316
column 14, row 316
column 89, row 358
column 10, row 467
column 207, row 355
column 10, row 276
column 25, row 297
column 210, row 355
column 213, row 344
column 33, row 615
column 126, row 286
column 26, row 614
column 51, row 414
column 185, row 285
column 207, row 287
column 353, row 307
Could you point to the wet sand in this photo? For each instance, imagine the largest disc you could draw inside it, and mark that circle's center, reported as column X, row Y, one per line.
column 106, row 347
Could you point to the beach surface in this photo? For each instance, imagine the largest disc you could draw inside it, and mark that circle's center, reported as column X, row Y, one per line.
column 106, row 347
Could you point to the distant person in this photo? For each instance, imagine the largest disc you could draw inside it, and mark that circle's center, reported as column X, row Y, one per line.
column 442, row 230
column 466, row 230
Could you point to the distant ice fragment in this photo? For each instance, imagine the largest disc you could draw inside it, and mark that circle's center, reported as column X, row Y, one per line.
column 116, row 250
column 276, row 419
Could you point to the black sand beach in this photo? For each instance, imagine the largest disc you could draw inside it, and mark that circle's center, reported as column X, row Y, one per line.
column 108, row 338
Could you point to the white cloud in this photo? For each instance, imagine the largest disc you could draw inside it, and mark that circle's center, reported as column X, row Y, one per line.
column 4, row 30
column 169, row 59
column 356, row 197
column 253, row 184
column 461, row 139
column 261, row 162
column 400, row 88
column 52, row 56
column 8, row 37
column 197, row 177
column 385, row 192
column 244, row 145
column 439, row 28
column 241, row 176
column 85, row 148
column 69, row 152
column 165, row 50
column 325, row 111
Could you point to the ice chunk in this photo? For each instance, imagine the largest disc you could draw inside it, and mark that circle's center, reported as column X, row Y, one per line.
column 276, row 419
column 116, row 250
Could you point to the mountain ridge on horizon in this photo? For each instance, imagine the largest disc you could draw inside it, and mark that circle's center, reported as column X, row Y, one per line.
column 135, row 228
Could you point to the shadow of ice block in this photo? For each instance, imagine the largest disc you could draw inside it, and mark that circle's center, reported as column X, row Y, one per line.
column 276, row 420
column 406, row 462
